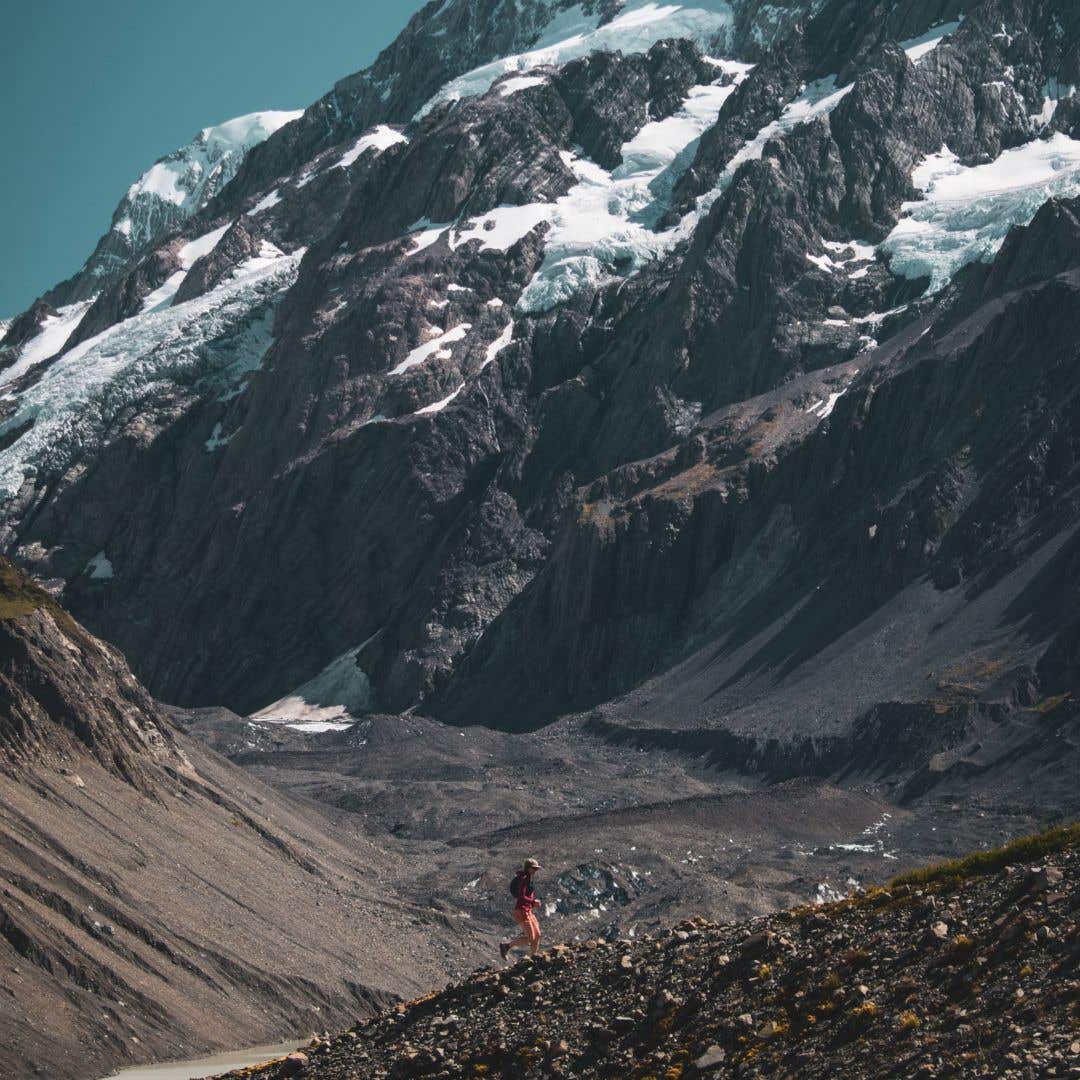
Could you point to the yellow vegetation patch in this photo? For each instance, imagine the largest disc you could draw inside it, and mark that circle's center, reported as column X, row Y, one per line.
column 1026, row 849
column 18, row 594
column 908, row 1020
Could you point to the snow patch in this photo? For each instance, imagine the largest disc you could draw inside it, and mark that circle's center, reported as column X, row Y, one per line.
column 497, row 230
column 498, row 344
column 918, row 47
column 501, row 228
column 423, row 234
column 382, row 138
column 194, row 250
column 99, row 567
column 189, row 254
column 822, row 262
column 438, row 406
column 328, row 702
column 520, row 82
column 860, row 252
column 435, row 346
column 267, row 202
column 49, row 340
column 824, row 409
column 216, row 441
column 816, row 99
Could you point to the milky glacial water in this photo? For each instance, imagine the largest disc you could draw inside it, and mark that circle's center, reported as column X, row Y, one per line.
column 196, row 1068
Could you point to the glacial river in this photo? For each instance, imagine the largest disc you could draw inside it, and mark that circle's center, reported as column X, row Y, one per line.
column 197, row 1068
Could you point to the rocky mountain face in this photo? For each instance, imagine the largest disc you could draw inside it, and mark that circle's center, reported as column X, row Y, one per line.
column 948, row 972
column 706, row 371
column 155, row 899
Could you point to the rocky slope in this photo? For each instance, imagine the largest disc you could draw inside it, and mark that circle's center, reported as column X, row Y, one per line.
column 685, row 394
column 967, row 970
column 156, row 900
column 706, row 373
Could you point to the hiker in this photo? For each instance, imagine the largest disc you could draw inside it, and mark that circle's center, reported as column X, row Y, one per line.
column 525, row 904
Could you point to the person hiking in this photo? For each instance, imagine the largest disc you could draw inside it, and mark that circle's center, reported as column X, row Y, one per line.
column 525, row 905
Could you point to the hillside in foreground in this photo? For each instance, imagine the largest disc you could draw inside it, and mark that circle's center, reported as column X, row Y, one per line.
column 965, row 969
column 155, row 900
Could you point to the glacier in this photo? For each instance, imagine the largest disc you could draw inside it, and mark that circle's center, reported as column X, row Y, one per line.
column 967, row 211
column 80, row 397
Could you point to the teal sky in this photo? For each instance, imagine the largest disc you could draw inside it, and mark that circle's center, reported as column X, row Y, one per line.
column 94, row 92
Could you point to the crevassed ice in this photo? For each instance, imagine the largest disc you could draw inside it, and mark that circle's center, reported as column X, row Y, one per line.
column 601, row 228
column 966, row 211
column 187, row 178
column 78, row 398
column 574, row 33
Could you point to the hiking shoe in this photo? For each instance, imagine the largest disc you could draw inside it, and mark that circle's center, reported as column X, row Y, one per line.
column 504, row 950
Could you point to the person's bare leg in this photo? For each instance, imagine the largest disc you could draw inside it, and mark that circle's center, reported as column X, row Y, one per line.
column 523, row 940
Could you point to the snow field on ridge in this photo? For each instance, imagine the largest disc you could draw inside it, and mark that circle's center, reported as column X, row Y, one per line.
column 921, row 46
column 49, row 340
column 573, row 34
column 173, row 178
column 189, row 254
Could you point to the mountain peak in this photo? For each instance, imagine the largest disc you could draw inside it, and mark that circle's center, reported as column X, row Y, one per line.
column 174, row 188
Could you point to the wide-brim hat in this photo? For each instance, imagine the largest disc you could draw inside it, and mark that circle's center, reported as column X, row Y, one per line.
column 531, row 864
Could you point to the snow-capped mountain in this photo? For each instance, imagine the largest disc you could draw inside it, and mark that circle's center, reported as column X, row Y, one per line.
column 713, row 354
column 170, row 191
